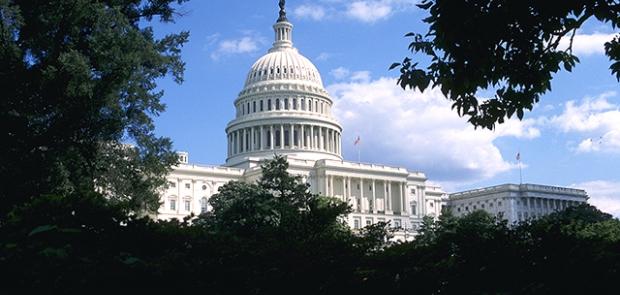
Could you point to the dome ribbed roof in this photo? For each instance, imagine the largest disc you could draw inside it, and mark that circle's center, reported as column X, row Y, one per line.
column 286, row 64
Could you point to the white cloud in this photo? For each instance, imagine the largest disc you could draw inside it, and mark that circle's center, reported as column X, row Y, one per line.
column 419, row 131
column 587, row 44
column 360, row 76
column 249, row 43
column 605, row 195
column 311, row 11
column 340, row 73
column 369, row 11
column 596, row 119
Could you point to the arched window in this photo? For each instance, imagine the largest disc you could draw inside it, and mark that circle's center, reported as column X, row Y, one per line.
column 204, row 205
column 294, row 103
column 286, row 103
column 269, row 104
column 277, row 104
column 261, row 105
column 310, row 105
column 254, row 107
column 303, row 104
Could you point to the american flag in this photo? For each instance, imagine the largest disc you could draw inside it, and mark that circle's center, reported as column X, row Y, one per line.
column 357, row 140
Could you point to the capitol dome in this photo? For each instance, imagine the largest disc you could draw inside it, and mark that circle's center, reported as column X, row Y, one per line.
column 283, row 108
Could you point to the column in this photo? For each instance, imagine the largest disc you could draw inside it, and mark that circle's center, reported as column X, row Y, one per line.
column 321, row 139
column 244, row 139
column 271, row 137
column 311, row 137
column 302, row 138
column 389, row 196
column 253, row 145
column 403, row 207
column 261, row 142
column 238, row 148
column 344, row 189
column 348, row 188
column 331, row 185
column 282, row 136
column 374, row 198
column 362, row 193
column 291, row 136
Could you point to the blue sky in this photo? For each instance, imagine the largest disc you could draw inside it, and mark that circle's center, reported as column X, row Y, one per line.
column 572, row 138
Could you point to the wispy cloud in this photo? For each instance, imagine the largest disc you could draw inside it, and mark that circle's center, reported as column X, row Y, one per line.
column 249, row 43
column 367, row 11
column 311, row 11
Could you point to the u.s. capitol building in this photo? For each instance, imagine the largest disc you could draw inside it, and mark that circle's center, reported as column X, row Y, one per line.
column 284, row 109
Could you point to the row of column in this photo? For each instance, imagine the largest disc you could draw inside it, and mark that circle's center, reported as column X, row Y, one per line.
column 284, row 136
column 547, row 205
column 386, row 195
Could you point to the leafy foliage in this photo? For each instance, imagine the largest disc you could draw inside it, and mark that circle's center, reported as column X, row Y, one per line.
column 510, row 47
column 78, row 78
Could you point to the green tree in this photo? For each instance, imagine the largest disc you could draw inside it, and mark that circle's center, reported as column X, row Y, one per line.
column 78, row 79
column 509, row 47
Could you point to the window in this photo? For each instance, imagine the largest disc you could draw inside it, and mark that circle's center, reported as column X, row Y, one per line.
column 475, row 207
column 432, row 204
column 248, row 107
column 358, row 186
column 397, row 223
column 499, row 203
column 187, row 185
column 303, row 105
column 204, row 205
column 356, row 224
column 243, row 109
column 254, row 107
column 277, row 104
column 286, row 103
column 310, row 105
column 173, row 204
column 413, row 191
column 294, row 103
column 269, row 139
column 204, row 187
column 414, row 208
column 269, row 104
column 316, row 106
column 368, row 222
column 458, row 209
column 187, row 205
column 277, row 141
column 172, row 184
column 261, row 105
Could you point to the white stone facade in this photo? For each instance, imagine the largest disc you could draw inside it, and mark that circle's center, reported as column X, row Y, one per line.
column 284, row 109
column 516, row 202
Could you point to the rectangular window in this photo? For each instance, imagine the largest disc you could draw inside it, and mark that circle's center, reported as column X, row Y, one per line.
column 397, row 223
column 277, row 104
column 187, row 205
column 172, row 184
column 261, row 105
column 187, row 185
column 269, row 104
column 173, row 204
column 413, row 191
column 294, row 103
column 368, row 222
column 254, row 107
column 310, row 105
column 286, row 103
column 356, row 224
